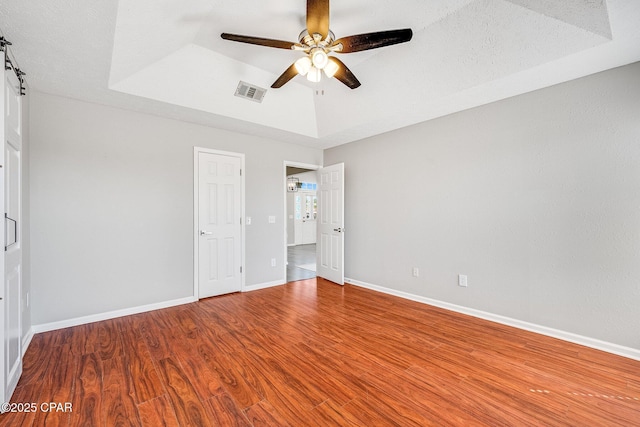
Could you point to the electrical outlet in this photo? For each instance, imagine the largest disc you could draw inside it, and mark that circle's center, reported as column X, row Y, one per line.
column 247, row 220
column 273, row 262
column 462, row 280
column 416, row 272
column 272, row 219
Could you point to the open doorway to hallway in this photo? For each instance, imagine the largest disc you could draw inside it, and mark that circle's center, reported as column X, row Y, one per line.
column 301, row 228
column 301, row 262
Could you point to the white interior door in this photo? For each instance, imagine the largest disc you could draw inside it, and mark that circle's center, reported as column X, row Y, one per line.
column 297, row 219
column 219, row 231
column 10, row 305
column 4, row 397
column 305, row 214
column 330, row 242
column 309, row 214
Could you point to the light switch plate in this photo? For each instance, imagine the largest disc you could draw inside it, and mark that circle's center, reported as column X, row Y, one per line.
column 462, row 280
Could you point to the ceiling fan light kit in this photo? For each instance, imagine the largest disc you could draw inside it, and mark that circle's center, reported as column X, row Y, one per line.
column 303, row 65
column 317, row 41
column 319, row 57
column 331, row 68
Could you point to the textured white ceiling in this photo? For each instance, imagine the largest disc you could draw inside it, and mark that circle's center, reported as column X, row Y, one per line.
column 166, row 57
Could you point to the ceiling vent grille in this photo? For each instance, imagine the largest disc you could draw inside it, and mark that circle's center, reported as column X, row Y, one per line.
column 251, row 92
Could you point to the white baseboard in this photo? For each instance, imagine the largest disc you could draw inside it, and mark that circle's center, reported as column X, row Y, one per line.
column 629, row 352
column 26, row 340
column 45, row 327
column 263, row 285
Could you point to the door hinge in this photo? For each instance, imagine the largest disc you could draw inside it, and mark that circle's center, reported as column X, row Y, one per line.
column 240, row 172
column 240, row 269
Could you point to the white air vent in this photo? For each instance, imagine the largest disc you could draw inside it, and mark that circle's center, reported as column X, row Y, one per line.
column 249, row 91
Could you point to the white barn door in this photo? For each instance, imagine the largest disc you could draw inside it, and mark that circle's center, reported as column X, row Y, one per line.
column 330, row 242
column 219, row 223
column 11, row 283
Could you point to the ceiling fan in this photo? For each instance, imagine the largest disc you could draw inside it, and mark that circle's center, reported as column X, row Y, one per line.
column 317, row 41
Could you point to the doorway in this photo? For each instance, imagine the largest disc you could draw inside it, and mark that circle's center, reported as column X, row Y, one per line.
column 301, row 212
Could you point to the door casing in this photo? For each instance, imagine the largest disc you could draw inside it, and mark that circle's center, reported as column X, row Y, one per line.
column 284, row 187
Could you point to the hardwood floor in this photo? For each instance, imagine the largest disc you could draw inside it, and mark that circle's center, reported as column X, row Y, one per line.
column 312, row 353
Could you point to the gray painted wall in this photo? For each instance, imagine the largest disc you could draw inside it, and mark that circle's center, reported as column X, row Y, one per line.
column 535, row 198
column 112, row 206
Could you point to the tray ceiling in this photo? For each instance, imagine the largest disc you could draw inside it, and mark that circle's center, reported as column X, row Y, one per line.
column 166, row 57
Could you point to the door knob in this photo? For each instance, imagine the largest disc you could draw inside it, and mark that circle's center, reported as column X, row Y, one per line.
column 339, row 230
column 205, row 233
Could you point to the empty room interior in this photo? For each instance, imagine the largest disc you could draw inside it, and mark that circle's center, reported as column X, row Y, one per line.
column 318, row 213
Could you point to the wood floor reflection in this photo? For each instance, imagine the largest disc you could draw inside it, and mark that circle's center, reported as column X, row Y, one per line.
column 311, row 353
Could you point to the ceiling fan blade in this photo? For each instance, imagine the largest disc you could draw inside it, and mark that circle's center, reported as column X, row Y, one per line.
column 258, row 40
column 375, row 40
column 290, row 73
column 344, row 74
column 318, row 17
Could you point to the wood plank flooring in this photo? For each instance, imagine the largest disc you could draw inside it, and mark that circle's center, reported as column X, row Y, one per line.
column 311, row 353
